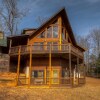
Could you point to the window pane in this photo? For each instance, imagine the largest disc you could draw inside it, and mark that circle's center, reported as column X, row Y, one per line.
column 63, row 33
column 40, row 73
column 49, row 32
column 55, row 74
column 55, row 31
column 35, row 74
column 42, row 35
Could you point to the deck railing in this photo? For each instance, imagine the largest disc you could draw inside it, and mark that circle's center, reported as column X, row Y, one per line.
column 63, row 48
column 51, row 81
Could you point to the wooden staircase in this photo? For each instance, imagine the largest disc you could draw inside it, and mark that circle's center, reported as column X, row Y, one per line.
column 22, row 79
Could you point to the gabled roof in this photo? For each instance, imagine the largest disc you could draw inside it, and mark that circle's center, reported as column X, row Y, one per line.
column 64, row 16
column 29, row 29
column 18, row 36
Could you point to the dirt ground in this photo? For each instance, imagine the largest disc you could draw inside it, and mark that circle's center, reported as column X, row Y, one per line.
column 90, row 91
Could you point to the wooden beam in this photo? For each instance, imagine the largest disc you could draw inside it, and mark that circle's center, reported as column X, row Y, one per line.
column 50, row 68
column 10, row 45
column 70, row 64
column 30, row 65
column 18, row 66
column 60, row 31
column 78, row 68
column 45, row 75
column 84, row 71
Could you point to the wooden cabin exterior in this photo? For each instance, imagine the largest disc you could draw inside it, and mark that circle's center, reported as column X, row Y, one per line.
column 4, row 57
column 48, row 55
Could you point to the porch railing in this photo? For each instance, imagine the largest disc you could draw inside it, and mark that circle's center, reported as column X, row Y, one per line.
column 51, row 81
column 63, row 48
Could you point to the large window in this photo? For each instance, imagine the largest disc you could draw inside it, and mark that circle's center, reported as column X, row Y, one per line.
column 38, row 74
column 63, row 33
column 55, row 31
column 49, row 32
column 42, row 35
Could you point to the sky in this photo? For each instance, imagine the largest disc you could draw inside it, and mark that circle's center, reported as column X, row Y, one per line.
column 83, row 15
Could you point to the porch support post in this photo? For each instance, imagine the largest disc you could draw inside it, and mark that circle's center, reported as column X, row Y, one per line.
column 84, row 71
column 50, row 68
column 60, row 30
column 30, row 65
column 10, row 45
column 18, row 66
column 78, row 68
column 9, row 57
column 70, row 64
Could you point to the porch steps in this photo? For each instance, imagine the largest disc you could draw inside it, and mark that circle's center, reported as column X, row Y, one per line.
column 22, row 79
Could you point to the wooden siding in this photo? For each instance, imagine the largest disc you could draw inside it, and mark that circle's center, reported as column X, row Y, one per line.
column 4, row 62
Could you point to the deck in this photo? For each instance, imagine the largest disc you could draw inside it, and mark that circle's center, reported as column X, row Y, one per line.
column 40, row 49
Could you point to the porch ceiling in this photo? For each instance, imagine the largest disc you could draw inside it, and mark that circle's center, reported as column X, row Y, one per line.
column 65, row 56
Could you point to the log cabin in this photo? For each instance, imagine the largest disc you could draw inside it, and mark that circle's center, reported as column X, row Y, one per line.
column 48, row 55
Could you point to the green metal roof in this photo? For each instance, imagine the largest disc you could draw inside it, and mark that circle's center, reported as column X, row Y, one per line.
column 3, row 42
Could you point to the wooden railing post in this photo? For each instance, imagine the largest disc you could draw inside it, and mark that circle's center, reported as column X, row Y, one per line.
column 84, row 71
column 30, row 65
column 78, row 68
column 60, row 31
column 50, row 68
column 18, row 66
column 10, row 46
column 70, row 64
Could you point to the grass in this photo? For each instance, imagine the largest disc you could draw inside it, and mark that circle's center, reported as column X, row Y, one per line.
column 90, row 91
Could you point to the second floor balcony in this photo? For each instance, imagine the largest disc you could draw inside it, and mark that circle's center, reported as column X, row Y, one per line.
column 39, row 49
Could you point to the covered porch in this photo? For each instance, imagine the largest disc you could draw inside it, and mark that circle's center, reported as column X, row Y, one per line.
column 50, row 69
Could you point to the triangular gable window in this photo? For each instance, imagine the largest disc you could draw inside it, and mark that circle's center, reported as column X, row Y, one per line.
column 50, row 32
column 41, row 35
column 64, row 35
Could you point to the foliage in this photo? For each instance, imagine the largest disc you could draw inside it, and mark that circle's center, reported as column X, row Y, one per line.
column 92, row 44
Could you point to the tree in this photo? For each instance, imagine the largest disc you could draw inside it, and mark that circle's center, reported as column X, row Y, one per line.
column 92, row 44
column 85, row 42
column 95, row 35
column 10, row 15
